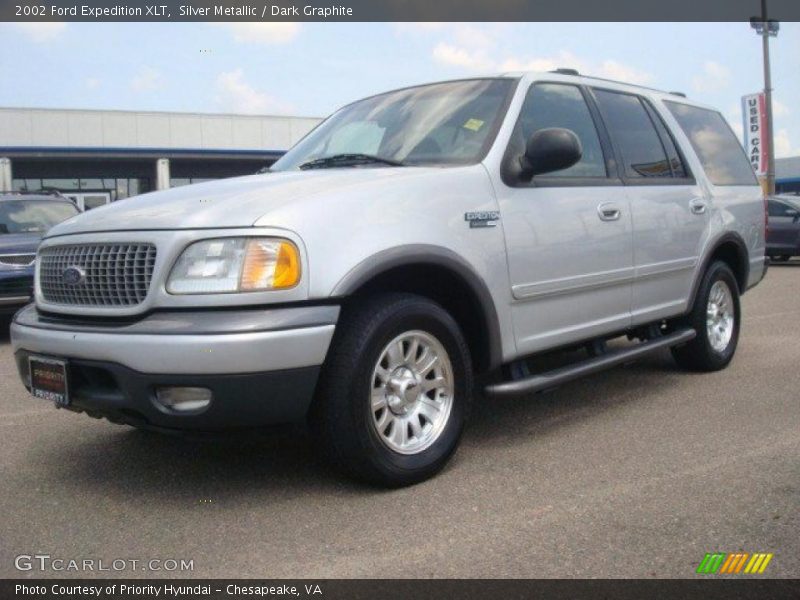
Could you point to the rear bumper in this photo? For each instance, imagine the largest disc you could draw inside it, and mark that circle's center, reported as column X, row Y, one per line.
column 261, row 365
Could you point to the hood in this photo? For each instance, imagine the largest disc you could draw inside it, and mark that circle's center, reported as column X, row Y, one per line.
column 19, row 243
column 238, row 201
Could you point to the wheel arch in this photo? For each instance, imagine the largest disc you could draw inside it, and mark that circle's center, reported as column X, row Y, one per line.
column 731, row 249
column 441, row 275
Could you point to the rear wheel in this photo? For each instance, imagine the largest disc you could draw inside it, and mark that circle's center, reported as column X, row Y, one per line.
column 715, row 317
column 395, row 390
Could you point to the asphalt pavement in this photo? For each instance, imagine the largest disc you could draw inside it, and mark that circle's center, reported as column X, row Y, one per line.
column 636, row 472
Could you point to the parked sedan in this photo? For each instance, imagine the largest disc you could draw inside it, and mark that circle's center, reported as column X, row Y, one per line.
column 783, row 237
column 24, row 219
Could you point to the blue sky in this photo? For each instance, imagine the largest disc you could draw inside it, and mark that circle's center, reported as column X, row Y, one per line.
column 310, row 69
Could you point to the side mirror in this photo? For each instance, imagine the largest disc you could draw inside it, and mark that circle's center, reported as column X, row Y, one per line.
column 550, row 150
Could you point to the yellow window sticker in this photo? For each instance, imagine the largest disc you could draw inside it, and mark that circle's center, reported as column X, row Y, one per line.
column 473, row 124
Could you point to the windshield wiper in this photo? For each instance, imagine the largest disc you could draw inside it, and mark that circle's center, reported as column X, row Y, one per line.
column 348, row 160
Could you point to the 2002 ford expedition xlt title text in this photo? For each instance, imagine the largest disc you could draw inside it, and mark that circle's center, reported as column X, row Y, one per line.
column 412, row 240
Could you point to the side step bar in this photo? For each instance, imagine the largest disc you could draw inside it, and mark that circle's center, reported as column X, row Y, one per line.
column 556, row 377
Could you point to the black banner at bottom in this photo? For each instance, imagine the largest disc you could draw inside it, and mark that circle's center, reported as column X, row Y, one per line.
column 435, row 589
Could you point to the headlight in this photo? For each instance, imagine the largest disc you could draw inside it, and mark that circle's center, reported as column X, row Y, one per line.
column 227, row 265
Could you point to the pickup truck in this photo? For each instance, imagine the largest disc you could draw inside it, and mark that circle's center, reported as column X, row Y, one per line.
column 414, row 243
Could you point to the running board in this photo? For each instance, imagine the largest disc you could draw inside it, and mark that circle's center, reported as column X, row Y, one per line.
column 556, row 377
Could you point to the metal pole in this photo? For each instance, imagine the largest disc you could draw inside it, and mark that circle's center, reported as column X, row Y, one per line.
column 768, row 102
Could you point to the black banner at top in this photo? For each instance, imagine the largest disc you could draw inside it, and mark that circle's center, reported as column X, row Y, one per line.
column 395, row 10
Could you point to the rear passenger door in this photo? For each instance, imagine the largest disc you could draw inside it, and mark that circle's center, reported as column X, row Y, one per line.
column 568, row 233
column 669, row 210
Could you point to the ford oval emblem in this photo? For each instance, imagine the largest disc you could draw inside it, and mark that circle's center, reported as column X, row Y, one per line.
column 73, row 275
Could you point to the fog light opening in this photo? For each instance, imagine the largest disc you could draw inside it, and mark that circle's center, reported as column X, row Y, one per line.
column 183, row 400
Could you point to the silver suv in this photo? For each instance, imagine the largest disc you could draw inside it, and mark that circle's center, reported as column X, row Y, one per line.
column 412, row 241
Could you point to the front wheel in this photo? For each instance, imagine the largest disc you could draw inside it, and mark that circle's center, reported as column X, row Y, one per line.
column 715, row 316
column 395, row 390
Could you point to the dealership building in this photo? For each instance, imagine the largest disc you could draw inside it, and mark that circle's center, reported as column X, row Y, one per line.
column 97, row 156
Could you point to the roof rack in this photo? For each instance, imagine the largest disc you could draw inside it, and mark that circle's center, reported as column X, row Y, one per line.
column 563, row 71
column 681, row 94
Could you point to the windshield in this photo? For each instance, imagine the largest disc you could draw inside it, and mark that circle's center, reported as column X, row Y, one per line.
column 33, row 216
column 438, row 124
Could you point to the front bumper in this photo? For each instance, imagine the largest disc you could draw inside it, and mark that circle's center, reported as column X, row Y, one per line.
column 261, row 365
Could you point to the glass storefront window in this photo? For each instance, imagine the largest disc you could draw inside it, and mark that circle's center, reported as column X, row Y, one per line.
column 92, row 184
column 26, row 185
column 117, row 188
column 122, row 188
column 63, row 185
column 181, row 181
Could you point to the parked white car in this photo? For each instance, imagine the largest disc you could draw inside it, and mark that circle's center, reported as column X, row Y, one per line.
column 412, row 240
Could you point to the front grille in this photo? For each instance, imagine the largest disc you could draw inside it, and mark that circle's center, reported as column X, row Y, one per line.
column 113, row 274
column 17, row 260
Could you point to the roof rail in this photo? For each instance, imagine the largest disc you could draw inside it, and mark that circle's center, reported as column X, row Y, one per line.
column 681, row 94
column 636, row 85
column 562, row 71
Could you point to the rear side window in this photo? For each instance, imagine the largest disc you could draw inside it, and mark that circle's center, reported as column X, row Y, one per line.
column 723, row 159
column 630, row 125
column 560, row 105
column 779, row 209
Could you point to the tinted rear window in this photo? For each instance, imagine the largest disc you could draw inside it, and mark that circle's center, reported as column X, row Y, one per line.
column 720, row 153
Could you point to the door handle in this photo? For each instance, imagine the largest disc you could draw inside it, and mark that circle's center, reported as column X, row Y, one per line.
column 698, row 206
column 609, row 211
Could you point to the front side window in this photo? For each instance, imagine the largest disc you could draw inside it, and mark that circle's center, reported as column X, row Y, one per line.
column 560, row 105
column 720, row 153
column 630, row 126
column 448, row 123
column 33, row 216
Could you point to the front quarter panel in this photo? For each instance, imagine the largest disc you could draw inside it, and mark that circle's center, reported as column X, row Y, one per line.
column 355, row 225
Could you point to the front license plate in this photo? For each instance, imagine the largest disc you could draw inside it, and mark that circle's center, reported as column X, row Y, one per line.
column 49, row 379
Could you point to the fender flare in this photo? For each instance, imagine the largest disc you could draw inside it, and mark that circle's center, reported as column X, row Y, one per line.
column 429, row 255
column 744, row 256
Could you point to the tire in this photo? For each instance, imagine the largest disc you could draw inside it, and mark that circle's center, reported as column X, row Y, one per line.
column 709, row 351
column 375, row 339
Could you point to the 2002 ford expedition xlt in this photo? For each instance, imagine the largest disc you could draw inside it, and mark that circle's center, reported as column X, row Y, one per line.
column 411, row 241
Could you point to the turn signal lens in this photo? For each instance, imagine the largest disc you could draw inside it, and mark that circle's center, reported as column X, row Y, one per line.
column 270, row 264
